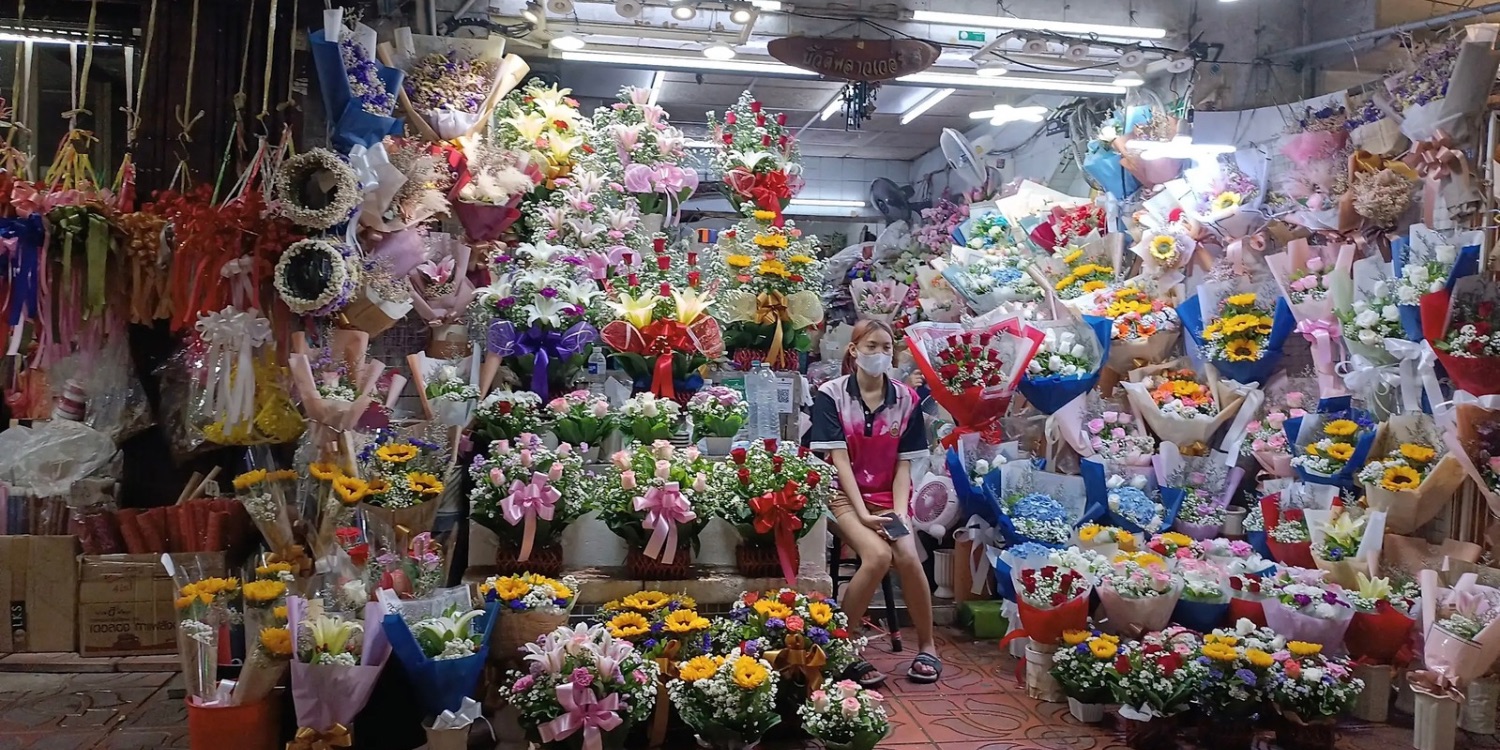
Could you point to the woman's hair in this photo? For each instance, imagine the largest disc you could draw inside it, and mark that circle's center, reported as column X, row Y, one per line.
column 864, row 328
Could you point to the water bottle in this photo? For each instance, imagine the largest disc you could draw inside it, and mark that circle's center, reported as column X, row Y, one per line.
column 760, row 391
column 597, row 363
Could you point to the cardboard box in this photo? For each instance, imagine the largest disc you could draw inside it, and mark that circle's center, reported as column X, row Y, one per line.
column 125, row 602
column 39, row 586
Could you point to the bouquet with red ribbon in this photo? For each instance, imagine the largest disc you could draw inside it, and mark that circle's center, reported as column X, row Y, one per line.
column 973, row 373
column 774, row 493
column 663, row 354
column 759, row 157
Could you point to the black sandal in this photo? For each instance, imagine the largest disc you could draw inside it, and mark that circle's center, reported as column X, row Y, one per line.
column 865, row 674
column 931, row 661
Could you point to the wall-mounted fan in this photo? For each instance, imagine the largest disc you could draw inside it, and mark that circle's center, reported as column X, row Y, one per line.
column 893, row 201
column 968, row 159
column 934, row 506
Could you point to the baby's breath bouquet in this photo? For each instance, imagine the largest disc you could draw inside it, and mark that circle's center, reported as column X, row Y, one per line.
column 730, row 701
column 845, row 716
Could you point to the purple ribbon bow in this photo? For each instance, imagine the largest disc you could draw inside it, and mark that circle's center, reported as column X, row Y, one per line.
column 542, row 344
column 22, row 266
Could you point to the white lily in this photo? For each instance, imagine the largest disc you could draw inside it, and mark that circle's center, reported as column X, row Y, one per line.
column 750, row 158
column 547, row 311
column 580, row 294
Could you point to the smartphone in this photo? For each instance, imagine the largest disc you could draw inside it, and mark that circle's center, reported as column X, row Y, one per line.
column 895, row 528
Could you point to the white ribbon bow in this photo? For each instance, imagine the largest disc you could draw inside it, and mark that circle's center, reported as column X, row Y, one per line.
column 1418, row 365
column 982, row 537
column 1365, row 377
column 232, row 337
column 379, row 180
column 237, row 274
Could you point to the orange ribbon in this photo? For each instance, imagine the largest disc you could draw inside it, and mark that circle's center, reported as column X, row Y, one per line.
column 308, row 738
column 667, row 663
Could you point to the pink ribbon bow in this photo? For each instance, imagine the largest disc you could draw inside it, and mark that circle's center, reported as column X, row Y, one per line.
column 665, row 508
column 584, row 712
column 1322, row 333
column 527, row 502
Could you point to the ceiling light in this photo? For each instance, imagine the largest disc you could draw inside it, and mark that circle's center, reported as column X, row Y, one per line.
column 694, row 63
column 718, row 51
column 928, row 102
column 827, row 203
column 533, row 12
column 969, row 80
column 567, row 43
column 769, row 6
column 991, row 69
column 836, row 104
column 1003, row 113
column 684, row 12
column 1036, row 24
column 742, row 14
column 1129, row 79
column 656, row 81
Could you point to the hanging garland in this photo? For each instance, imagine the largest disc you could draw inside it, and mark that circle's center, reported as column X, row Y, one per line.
column 317, row 189
column 317, row 276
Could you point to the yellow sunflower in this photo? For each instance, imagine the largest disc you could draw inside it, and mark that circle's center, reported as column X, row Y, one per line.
column 283, row 474
column 748, row 673
column 764, row 215
column 1125, row 539
column 378, row 486
column 1242, row 350
column 1163, row 248
column 1177, row 539
column 276, row 641
column 699, row 668
column 1103, row 649
column 261, row 592
column 1341, row 428
column 820, row 612
column 1240, row 300
column 646, row 601
column 628, row 625
column 272, row 570
column 739, row 261
column 1087, row 533
column 1303, row 648
column 1264, row 324
column 1341, row 451
column 424, row 484
column 1220, row 652
column 279, row 613
column 507, row 588
column 1225, row 201
column 769, row 608
column 1075, row 637
column 396, row 453
column 772, row 268
column 322, row 470
column 1398, row 478
column 1213, row 330
column 1065, row 282
column 249, row 479
column 1091, row 286
column 1258, row 658
column 803, row 259
column 1417, row 452
column 686, row 621
column 350, row 489
column 1241, row 323
column 1073, row 257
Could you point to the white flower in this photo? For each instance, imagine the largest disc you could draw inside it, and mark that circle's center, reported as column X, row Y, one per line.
column 1435, row 286
column 1079, row 351
column 1244, row 626
column 1381, row 288
column 1391, row 313
column 1368, row 337
column 546, row 311
column 1367, row 319
column 1055, row 362
column 1417, row 273
column 1312, row 674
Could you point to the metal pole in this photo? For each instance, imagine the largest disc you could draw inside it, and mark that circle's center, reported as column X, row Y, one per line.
column 1366, row 36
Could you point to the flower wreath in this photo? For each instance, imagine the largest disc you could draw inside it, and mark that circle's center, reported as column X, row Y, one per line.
column 316, row 276
column 294, row 189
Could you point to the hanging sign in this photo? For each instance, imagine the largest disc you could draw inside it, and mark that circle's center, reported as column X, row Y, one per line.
column 856, row 59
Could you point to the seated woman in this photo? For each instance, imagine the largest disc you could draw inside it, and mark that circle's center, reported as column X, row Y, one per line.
column 871, row 428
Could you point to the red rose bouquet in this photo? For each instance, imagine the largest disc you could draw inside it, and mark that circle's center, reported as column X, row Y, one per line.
column 973, row 373
column 1052, row 600
column 759, row 157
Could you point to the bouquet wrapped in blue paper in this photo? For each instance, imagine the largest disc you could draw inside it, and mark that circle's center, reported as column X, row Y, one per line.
column 1205, row 595
column 1129, row 501
column 359, row 94
column 443, row 655
column 1330, row 445
column 1426, row 261
column 1067, row 365
column 1248, row 328
column 1038, row 506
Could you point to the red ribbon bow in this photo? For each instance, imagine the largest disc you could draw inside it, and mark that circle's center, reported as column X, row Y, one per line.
column 776, row 514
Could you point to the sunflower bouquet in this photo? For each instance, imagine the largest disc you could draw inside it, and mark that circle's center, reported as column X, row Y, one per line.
column 789, row 627
column 268, row 496
column 1244, row 339
column 652, row 620
column 402, row 472
column 1086, row 271
column 1331, row 444
column 530, row 593
column 1083, row 665
column 773, row 291
column 528, row 493
column 202, row 603
column 1413, row 474
column 729, row 701
column 1145, row 325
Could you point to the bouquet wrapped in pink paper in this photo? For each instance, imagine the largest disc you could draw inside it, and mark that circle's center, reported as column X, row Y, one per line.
column 1139, row 593
column 1304, row 608
column 1462, row 635
column 1265, row 438
column 336, row 662
column 338, row 395
column 1305, row 273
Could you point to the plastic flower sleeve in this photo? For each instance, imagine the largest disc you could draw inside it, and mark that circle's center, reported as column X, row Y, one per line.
column 1103, row 483
column 1408, row 509
column 1202, row 613
column 1452, row 661
column 441, row 684
column 349, row 120
column 1471, row 430
column 1207, row 304
column 1298, row 626
column 501, row 73
column 1366, row 561
column 1129, row 616
column 973, row 408
column 328, row 696
column 1045, row 623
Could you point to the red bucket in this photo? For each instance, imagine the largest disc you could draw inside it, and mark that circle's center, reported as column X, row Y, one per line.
column 254, row 726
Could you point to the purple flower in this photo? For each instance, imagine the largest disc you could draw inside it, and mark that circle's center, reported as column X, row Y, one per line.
column 506, row 301
column 752, row 648
column 820, row 636
column 1246, row 676
column 582, row 678
column 549, row 292
column 517, row 604
column 1330, row 597
column 775, row 623
column 657, row 627
column 649, row 644
column 1302, row 600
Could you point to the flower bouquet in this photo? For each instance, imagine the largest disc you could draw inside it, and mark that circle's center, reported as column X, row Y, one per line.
column 1471, row 430
column 585, row 689
column 772, row 295
column 1102, row 163
column 759, row 159
column 1287, row 535
column 1166, row 245
column 1204, row 602
column 805, row 637
column 1384, row 616
column 773, row 494
column 1200, row 488
column 359, row 94
column 336, row 663
column 1052, row 600
column 1461, row 640
column 1063, row 226
column 973, row 373
column 1146, row 325
column 1129, row 503
column 1304, row 273
column 1267, row 438
column 269, row 497
column 650, row 152
column 490, row 185
column 729, row 701
column 543, row 122
column 662, row 351
column 1247, row 598
column 1331, row 444
column 270, row 654
column 443, row 655
column 1427, row 261
column 1138, row 593
column 507, row 415
column 528, row 494
column 1460, row 323
column 1412, row 473
column 451, row 84
column 647, row 418
column 527, row 606
column 1233, row 694
column 1086, row 270
column 1118, row 439
column 1311, row 690
column 1143, row 125
column 536, row 312
column 1152, row 684
column 1245, row 338
column 1177, row 406
column 878, row 300
column 448, row 389
column 582, row 419
column 401, row 480
column 1084, row 668
column 410, row 568
column 1228, row 199
column 1305, row 608
column 1367, row 308
column 440, row 292
column 1313, row 191
column 202, row 605
column 1067, row 366
column 338, row 394
column 846, row 716
column 1104, row 540
column 988, row 281
column 1038, row 506
column 718, row 413
column 657, row 499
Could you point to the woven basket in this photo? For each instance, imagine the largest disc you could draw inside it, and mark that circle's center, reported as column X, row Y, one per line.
column 756, row 561
column 638, row 566
column 516, row 629
column 546, row 560
column 1157, row 734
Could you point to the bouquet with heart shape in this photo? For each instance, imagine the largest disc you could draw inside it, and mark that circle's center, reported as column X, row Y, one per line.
column 661, row 350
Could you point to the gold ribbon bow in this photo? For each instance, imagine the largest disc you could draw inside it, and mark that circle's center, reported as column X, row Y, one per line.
column 800, row 657
column 771, row 307
column 295, row 556
column 1197, row 448
column 667, row 663
column 311, row 739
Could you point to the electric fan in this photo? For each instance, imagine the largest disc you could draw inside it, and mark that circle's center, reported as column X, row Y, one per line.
column 934, row 506
column 891, row 200
column 967, row 158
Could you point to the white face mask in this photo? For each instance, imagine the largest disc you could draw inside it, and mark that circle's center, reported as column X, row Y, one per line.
column 873, row 364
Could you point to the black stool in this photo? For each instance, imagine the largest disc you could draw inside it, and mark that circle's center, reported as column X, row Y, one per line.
column 835, row 565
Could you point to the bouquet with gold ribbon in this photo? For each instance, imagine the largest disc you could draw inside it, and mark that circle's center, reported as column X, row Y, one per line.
column 773, row 294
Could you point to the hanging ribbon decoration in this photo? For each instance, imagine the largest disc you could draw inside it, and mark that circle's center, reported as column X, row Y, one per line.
column 232, row 337
column 526, row 503
column 291, row 69
column 665, row 509
column 80, row 86
column 776, row 515
column 1322, row 333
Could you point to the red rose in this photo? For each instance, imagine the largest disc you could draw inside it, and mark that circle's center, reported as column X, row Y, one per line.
column 1292, row 669
column 975, row 352
column 770, row 444
column 1058, row 599
column 797, row 278
column 1049, row 571
column 1237, row 584
column 505, row 407
column 1482, row 328
column 1122, row 664
column 1476, row 347
column 560, row 125
column 1158, row 547
column 729, row 138
column 729, row 118
column 760, row 120
column 751, row 597
column 1175, row 215
column 738, row 454
column 1293, row 514
column 949, row 371
column 765, row 141
column 744, row 476
column 1170, row 663
column 813, row 477
column 788, row 598
column 755, row 106
column 781, row 118
column 802, row 451
column 839, row 633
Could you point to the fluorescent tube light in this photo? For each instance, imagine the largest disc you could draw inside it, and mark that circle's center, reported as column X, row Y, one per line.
column 970, row 80
column 1003, row 113
column 928, row 102
column 1036, row 24
column 827, row 203
column 10, row 36
column 703, row 144
column 657, row 80
column 695, row 63
column 770, row 6
column 567, row 42
column 833, row 107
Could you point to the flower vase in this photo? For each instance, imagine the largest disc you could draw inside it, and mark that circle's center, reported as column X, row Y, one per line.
column 1374, row 702
column 1157, row 733
column 1294, row 734
column 1040, row 684
column 545, row 559
column 252, row 726
column 942, row 573
column 1088, row 713
column 717, row 446
column 1234, row 522
column 757, row 560
column 1435, row 726
column 1477, row 714
column 641, row 567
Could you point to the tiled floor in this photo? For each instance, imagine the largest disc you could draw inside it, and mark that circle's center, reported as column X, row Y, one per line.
column 977, row 706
